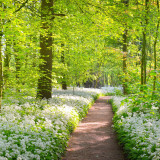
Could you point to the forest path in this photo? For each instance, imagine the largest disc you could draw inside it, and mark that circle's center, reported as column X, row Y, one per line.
column 94, row 138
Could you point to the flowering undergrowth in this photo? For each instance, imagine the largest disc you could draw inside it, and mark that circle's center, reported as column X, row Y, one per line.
column 39, row 130
column 138, row 129
column 109, row 90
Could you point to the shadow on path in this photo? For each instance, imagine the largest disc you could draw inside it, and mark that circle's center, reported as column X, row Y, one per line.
column 94, row 138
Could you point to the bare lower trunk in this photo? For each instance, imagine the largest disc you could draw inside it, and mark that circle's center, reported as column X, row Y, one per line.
column 125, row 36
column 155, row 51
column 45, row 81
column 1, row 76
column 143, row 60
column 125, row 61
column 144, row 52
column 18, row 66
column 64, row 81
column 6, row 65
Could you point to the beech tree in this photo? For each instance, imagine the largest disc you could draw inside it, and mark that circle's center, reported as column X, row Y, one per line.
column 1, row 76
column 155, row 49
column 46, row 43
column 125, row 44
column 144, row 44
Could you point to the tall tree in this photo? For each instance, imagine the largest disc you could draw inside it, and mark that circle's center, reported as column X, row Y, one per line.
column 144, row 45
column 155, row 48
column 46, row 44
column 6, row 63
column 1, row 75
column 125, row 44
column 1, row 35
column 64, row 80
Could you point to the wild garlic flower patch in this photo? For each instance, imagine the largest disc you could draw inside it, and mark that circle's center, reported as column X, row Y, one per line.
column 139, row 132
column 36, row 130
column 112, row 90
column 118, row 103
column 82, row 92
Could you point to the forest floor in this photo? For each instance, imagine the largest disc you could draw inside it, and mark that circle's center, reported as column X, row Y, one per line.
column 94, row 138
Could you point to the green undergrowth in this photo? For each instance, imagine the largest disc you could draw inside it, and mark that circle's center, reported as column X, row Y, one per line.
column 39, row 130
column 138, row 128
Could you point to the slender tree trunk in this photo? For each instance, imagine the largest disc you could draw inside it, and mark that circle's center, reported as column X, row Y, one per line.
column 1, row 76
column 46, row 43
column 155, row 51
column 144, row 47
column 64, row 83
column 155, row 60
column 125, row 36
column 143, row 60
column 125, row 61
column 6, row 59
column 18, row 66
column 6, row 64
column 107, row 83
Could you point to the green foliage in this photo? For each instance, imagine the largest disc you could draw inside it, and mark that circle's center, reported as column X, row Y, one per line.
column 92, row 36
column 143, row 101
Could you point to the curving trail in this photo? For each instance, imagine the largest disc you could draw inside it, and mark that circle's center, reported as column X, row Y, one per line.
column 94, row 138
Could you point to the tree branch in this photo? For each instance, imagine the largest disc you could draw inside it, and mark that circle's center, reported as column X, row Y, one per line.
column 59, row 14
column 23, row 4
column 54, row 14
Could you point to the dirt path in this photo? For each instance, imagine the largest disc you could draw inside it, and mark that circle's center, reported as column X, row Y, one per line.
column 94, row 138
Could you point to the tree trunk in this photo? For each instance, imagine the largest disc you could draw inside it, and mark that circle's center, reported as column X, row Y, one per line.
column 144, row 46
column 155, row 52
column 125, row 61
column 64, row 83
column 46, row 43
column 1, row 75
column 6, row 64
column 143, row 60
column 126, row 3
column 18, row 66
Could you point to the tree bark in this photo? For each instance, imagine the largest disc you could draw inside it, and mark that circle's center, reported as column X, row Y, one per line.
column 18, row 67
column 64, row 83
column 1, row 75
column 6, row 64
column 125, row 36
column 46, row 43
column 144, row 46
column 143, row 60
column 155, row 49
column 125, row 61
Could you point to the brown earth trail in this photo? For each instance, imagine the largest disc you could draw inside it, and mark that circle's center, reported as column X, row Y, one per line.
column 94, row 138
